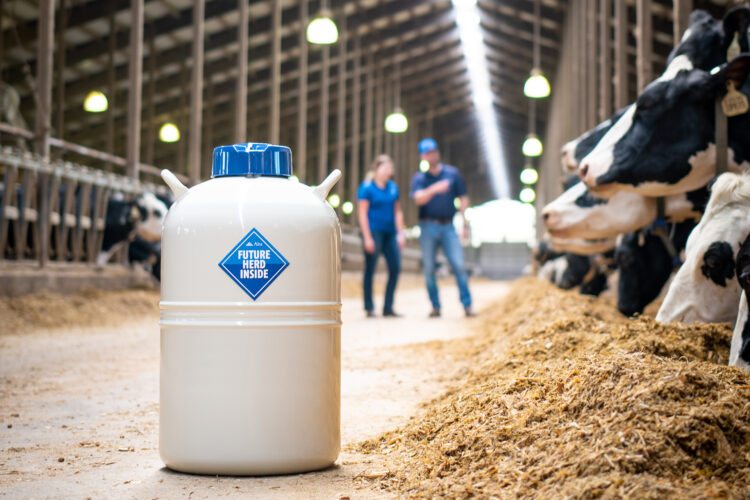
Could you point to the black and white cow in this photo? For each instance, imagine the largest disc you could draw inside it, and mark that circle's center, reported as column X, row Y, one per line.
column 581, row 246
column 645, row 260
column 664, row 144
column 575, row 150
column 577, row 213
column 570, row 270
column 739, row 352
column 703, row 290
column 137, row 222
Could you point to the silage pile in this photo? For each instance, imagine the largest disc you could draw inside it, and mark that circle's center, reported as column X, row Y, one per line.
column 569, row 399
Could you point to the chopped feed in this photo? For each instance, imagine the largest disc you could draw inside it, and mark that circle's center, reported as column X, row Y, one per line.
column 568, row 398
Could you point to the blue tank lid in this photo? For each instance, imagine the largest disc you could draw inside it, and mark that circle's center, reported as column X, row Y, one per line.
column 252, row 158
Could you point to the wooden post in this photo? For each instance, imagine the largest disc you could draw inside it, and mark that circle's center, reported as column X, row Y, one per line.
column 275, row 72
column 341, row 107
column 196, row 93
column 355, row 165
column 622, row 98
column 240, row 117
column 135, row 74
column 644, row 43
column 591, row 67
column 59, row 129
column 153, row 75
column 111, row 82
column 681, row 18
column 605, row 60
column 369, row 103
column 44, row 69
column 379, row 105
column 300, row 163
column 323, row 125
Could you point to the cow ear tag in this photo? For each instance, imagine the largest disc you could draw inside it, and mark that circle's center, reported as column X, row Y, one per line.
column 734, row 48
column 735, row 102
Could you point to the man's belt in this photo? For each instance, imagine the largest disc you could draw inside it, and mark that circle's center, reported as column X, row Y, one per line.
column 439, row 221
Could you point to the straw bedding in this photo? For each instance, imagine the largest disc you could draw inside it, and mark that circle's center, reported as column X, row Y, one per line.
column 567, row 398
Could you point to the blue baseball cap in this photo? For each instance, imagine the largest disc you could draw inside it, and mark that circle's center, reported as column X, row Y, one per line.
column 427, row 145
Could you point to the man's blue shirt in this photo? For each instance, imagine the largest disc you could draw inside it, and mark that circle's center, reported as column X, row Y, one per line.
column 441, row 205
column 381, row 213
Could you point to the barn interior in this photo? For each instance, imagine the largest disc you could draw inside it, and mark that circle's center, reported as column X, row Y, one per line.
column 97, row 97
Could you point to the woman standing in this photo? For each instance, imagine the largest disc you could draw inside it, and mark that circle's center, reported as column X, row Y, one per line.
column 382, row 224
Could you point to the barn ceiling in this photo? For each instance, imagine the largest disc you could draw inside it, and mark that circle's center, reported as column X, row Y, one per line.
column 419, row 37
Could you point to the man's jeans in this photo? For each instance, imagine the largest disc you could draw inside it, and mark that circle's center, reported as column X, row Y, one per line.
column 434, row 235
column 388, row 244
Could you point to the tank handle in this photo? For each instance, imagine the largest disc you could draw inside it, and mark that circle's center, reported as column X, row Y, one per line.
column 325, row 187
column 178, row 188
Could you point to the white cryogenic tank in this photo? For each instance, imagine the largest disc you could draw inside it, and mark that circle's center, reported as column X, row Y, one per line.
column 250, row 319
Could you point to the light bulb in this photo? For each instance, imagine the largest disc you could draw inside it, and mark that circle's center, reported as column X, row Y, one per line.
column 322, row 30
column 334, row 200
column 532, row 146
column 424, row 165
column 536, row 85
column 95, row 102
column 396, row 122
column 529, row 175
column 169, row 133
column 527, row 195
column 347, row 207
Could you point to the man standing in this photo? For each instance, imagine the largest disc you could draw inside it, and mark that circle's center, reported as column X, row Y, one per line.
column 434, row 192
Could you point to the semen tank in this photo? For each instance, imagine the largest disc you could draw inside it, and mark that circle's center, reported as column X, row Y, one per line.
column 250, row 319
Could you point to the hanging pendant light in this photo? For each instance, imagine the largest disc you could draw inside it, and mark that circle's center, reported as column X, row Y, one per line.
column 322, row 29
column 529, row 175
column 527, row 195
column 424, row 165
column 532, row 146
column 169, row 133
column 396, row 122
column 347, row 207
column 537, row 85
column 95, row 102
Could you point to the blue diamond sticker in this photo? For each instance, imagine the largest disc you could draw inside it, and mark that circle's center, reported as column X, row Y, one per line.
column 254, row 263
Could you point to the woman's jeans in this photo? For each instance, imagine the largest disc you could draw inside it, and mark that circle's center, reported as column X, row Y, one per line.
column 432, row 236
column 387, row 243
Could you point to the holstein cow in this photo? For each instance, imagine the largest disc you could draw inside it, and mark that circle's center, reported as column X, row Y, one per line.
column 664, row 143
column 703, row 289
column 645, row 260
column 578, row 213
column 575, row 150
column 580, row 246
column 130, row 220
column 570, row 270
column 739, row 352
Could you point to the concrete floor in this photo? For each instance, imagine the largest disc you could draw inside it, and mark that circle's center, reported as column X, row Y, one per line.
column 79, row 408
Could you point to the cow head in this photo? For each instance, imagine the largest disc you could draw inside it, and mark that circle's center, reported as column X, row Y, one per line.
column 151, row 216
column 706, row 40
column 577, row 213
column 575, row 150
column 663, row 144
column 703, row 289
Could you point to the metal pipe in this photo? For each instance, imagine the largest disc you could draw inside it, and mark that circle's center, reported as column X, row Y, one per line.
column 61, row 69
column 135, row 71
column 240, row 117
column 196, row 93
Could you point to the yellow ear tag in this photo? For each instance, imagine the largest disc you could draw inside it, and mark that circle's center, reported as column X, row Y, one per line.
column 734, row 103
column 734, row 48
